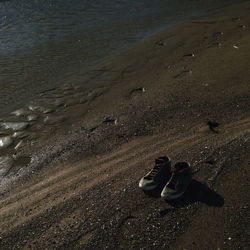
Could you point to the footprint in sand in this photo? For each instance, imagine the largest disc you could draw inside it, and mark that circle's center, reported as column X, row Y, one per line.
column 83, row 100
column 96, row 93
column 9, row 164
column 72, row 102
column 136, row 91
column 216, row 44
column 236, row 19
column 214, row 127
column 58, row 103
column 184, row 72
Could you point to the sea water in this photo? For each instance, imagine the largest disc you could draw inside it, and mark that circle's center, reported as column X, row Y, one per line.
column 45, row 43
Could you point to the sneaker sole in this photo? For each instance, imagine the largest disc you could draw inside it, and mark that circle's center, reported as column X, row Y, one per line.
column 172, row 197
column 147, row 188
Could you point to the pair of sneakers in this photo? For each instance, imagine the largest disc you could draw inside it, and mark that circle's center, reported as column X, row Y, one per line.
column 178, row 178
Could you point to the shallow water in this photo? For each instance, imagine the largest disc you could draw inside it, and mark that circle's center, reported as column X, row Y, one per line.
column 45, row 43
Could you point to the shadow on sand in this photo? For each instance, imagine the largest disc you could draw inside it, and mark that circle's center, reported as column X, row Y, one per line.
column 196, row 192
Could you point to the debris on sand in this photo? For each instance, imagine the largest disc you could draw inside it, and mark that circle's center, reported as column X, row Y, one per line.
column 213, row 126
column 110, row 120
column 220, row 33
column 159, row 43
column 18, row 145
column 137, row 90
column 235, row 19
column 215, row 44
column 242, row 26
column 187, row 55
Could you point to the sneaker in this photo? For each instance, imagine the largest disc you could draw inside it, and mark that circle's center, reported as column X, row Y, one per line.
column 160, row 172
column 179, row 181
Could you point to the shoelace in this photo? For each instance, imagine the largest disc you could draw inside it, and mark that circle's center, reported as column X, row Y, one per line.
column 154, row 171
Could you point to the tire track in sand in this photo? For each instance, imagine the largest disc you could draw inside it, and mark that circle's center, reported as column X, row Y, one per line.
column 233, row 130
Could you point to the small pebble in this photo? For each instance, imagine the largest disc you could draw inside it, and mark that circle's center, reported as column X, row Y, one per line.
column 219, row 33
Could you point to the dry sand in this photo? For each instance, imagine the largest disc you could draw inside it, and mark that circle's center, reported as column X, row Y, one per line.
column 156, row 99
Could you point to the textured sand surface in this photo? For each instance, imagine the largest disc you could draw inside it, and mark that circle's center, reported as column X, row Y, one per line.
column 160, row 97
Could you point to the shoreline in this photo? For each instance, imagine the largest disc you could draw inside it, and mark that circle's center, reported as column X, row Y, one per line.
column 36, row 71
column 156, row 98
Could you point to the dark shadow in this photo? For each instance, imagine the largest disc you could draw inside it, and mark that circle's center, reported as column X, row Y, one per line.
column 156, row 192
column 196, row 192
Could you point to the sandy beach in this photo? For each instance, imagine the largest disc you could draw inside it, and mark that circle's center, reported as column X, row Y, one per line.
column 185, row 93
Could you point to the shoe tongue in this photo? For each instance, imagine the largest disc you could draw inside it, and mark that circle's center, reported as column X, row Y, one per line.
column 158, row 161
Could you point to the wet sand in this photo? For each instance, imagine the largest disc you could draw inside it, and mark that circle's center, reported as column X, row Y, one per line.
column 80, row 152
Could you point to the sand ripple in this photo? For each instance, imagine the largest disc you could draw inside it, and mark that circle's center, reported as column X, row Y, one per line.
column 16, row 126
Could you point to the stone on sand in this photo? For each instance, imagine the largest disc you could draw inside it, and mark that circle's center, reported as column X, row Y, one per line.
column 5, row 141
